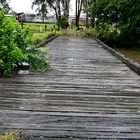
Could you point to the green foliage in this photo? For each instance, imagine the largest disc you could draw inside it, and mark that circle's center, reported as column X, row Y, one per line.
column 17, row 46
column 108, row 34
column 80, row 33
column 60, row 8
column 5, row 5
column 38, row 59
column 122, row 15
column 90, row 32
column 10, row 53
column 40, row 28
column 63, row 23
column 42, row 8
column 41, row 32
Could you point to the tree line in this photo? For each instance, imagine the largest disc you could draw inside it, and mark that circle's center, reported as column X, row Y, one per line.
column 115, row 21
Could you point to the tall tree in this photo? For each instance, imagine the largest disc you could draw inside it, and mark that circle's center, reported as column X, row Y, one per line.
column 42, row 8
column 123, row 15
column 86, row 4
column 4, row 5
column 79, row 4
column 60, row 7
column 44, row 5
column 65, row 7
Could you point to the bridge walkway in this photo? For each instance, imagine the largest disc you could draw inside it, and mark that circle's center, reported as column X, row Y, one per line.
column 87, row 94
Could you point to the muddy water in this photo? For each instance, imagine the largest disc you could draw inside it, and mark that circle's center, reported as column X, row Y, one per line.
column 132, row 54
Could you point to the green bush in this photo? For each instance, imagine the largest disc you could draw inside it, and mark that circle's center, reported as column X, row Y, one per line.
column 10, row 53
column 63, row 23
column 129, row 36
column 106, row 33
column 89, row 32
column 120, row 14
column 17, row 46
column 38, row 59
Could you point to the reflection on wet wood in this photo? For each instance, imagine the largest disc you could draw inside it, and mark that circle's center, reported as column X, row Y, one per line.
column 88, row 94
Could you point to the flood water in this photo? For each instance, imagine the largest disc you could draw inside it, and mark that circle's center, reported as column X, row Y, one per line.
column 130, row 53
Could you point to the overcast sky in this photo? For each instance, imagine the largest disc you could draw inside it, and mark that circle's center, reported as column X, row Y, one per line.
column 25, row 6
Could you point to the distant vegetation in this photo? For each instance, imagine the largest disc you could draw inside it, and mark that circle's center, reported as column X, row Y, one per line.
column 41, row 32
column 38, row 27
column 117, row 22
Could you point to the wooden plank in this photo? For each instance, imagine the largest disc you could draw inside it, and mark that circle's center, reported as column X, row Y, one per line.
column 88, row 94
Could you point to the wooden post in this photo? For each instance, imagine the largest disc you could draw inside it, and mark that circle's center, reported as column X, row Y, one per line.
column 45, row 27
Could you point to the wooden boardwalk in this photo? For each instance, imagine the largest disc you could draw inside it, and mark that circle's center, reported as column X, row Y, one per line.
column 88, row 94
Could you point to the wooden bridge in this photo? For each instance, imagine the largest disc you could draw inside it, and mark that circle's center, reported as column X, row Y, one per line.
column 87, row 94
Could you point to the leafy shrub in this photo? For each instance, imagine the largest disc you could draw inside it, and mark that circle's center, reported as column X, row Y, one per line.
column 10, row 53
column 17, row 46
column 121, row 14
column 106, row 33
column 63, row 23
column 129, row 36
column 89, row 32
column 38, row 59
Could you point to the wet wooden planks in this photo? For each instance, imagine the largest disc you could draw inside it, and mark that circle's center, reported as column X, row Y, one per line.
column 88, row 94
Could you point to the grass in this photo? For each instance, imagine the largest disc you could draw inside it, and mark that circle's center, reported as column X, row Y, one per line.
column 41, row 32
column 36, row 27
column 39, row 37
column 11, row 136
column 80, row 33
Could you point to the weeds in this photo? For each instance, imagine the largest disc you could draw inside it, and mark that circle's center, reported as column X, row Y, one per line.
column 11, row 136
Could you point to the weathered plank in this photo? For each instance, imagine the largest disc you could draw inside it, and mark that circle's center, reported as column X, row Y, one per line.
column 87, row 94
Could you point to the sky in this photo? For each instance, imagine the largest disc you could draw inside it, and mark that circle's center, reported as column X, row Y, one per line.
column 25, row 6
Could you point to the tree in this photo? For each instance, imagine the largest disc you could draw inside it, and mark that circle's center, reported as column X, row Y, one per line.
column 4, row 5
column 79, row 4
column 65, row 7
column 42, row 8
column 86, row 4
column 60, row 7
column 123, row 15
